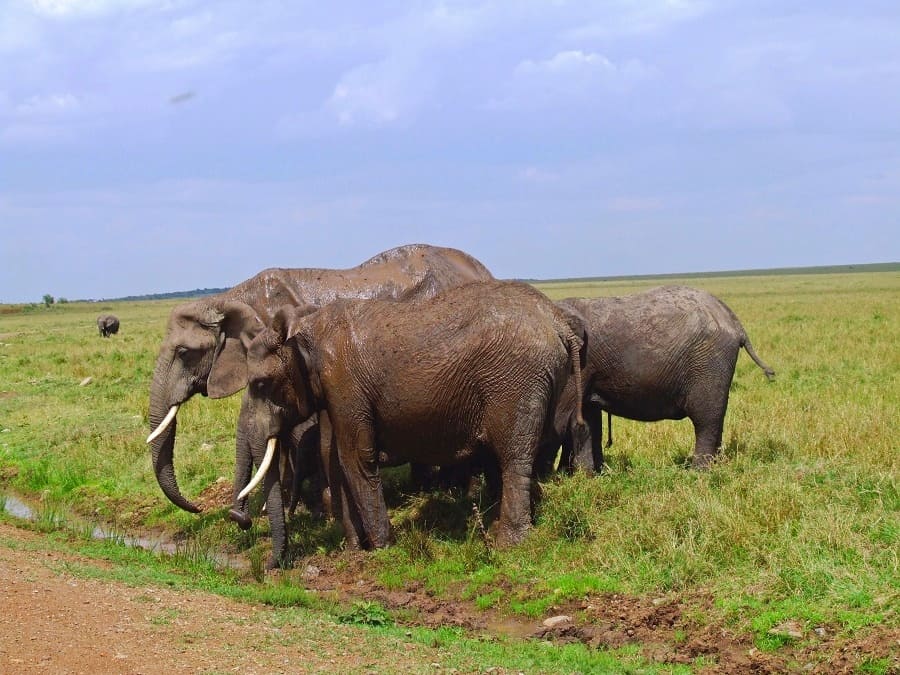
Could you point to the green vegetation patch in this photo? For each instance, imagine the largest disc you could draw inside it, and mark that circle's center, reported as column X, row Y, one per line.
column 795, row 528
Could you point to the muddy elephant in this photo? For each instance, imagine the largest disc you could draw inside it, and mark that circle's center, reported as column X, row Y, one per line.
column 476, row 369
column 205, row 346
column 667, row 353
column 107, row 325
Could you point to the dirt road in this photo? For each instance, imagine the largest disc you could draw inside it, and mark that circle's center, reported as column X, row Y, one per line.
column 52, row 621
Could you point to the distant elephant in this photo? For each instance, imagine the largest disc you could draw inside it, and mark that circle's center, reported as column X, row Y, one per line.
column 475, row 369
column 204, row 350
column 666, row 353
column 107, row 324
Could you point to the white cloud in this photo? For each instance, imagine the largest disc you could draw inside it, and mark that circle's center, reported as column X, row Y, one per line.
column 78, row 8
column 628, row 18
column 48, row 105
column 569, row 76
column 44, row 119
column 379, row 93
column 567, row 61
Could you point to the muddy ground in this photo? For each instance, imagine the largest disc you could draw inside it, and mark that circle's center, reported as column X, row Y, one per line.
column 669, row 629
column 54, row 621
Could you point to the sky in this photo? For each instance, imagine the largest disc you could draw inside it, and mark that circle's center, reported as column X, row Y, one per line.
column 150, row 146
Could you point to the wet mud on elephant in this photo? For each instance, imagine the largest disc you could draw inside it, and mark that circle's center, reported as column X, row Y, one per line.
column 205, row 345
column 476, row 369
column 667, row 353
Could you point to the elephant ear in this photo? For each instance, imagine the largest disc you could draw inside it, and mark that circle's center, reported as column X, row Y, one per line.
column 238, row 325
column 286, row 321
column 302, row 345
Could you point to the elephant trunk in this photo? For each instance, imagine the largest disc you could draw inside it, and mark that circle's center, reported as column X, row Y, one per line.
column 162, row 444
column 243, row 467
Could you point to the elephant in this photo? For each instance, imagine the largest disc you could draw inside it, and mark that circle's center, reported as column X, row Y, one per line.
column 666, row 353
column 107, row 324
column 475, row 369
column 205, row 345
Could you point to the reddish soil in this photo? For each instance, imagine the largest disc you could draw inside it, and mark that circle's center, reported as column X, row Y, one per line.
column 663, row 626
column 52, row 621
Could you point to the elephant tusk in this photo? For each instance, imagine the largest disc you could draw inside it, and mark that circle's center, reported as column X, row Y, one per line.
column 167, row 420
column 270, row 452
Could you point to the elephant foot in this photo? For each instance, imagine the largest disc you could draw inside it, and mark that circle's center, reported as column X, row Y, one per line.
column 702, row 462
column 241, row 518
column 506, row 536
column 276, row 564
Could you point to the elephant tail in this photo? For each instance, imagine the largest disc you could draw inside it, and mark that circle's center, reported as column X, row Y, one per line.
column 575, row 344
column 746, row 344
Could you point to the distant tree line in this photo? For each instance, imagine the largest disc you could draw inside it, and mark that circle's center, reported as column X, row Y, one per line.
column 196, row 293
column 49, row 300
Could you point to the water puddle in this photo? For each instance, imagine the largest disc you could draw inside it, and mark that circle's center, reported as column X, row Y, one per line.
column 19, row 509
column 511, row 627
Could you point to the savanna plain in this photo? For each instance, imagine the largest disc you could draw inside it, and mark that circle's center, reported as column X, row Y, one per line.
column 783, row 557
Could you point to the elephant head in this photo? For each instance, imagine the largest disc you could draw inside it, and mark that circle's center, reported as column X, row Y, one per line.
column 205, row 352
column 283, row 388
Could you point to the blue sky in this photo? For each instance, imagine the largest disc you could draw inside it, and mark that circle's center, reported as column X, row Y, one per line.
column 163, row 145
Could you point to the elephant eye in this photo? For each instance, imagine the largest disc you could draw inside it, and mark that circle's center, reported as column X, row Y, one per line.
column 189, row 353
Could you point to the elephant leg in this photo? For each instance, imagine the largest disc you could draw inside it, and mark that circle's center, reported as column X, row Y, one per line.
column 277, row 523
column 304, row 451
column 515, row 501
column 708, row 438
column 337, row 502
column 594, row 419
column 708, row 435
column 421, row 477
column 329, row 467
column 516, row 447
column 296, row 482
column 708, row 417
column 354, row 532
column 359, row 461
column 243, row 469
column 545, row 462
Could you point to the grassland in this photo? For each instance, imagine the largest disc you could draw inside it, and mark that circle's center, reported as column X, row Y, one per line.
column 798, row 526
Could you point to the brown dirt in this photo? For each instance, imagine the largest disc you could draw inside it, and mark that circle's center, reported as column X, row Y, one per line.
column 670, row 630
column 54, row 622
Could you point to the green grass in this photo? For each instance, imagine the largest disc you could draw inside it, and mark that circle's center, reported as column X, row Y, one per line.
column 799, row 522
column 310, row 617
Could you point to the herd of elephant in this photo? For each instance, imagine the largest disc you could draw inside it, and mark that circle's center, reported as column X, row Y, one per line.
column 420, row 355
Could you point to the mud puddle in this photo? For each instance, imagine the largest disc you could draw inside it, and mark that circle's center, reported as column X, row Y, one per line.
column 17, row 508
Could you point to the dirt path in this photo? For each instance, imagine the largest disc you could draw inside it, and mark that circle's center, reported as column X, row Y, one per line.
column 54, row 622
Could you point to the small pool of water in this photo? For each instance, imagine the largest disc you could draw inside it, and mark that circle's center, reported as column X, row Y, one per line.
column 157, row 544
